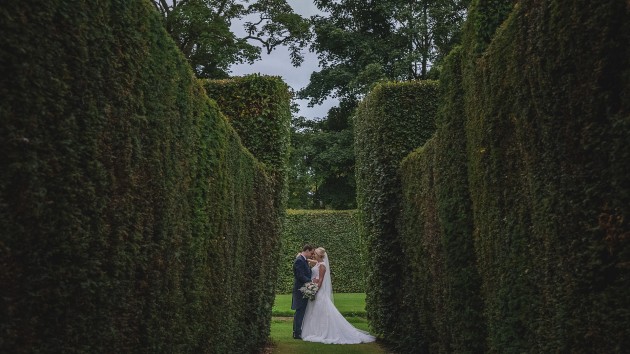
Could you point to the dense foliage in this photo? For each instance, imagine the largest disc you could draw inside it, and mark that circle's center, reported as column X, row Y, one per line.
column 393, row 119
column 302, row 180
column 258, row 108
column 359, row 44
column 337, row 232
column 514, row 214
column 129, row 208
column 322, row 163
column 442, row 281
column 548, row 125
column 203, row 31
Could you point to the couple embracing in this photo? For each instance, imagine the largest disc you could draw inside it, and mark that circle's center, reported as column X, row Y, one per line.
column 318, row 320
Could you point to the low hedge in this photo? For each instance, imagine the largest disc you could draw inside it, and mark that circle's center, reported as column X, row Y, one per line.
column 337, row 232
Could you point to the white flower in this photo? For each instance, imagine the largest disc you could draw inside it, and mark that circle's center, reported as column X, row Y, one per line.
column 309, row 290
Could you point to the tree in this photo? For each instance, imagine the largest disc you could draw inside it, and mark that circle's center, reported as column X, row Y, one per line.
column 333, row 160
column 302, row 184
column 321, row 164
column 430, row 28
column 360, row 43
column 201, row 29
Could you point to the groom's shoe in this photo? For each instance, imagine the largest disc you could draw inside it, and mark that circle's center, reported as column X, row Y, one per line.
column 297, row 337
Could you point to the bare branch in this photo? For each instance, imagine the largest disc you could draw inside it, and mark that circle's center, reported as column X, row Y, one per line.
column 256, row 39
column 261, row 20
column 157, row 6
column 163, row 7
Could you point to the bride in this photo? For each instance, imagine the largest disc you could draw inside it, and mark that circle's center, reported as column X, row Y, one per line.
column 323, row 323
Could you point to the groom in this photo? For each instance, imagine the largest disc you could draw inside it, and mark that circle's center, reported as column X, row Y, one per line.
column 301, row 275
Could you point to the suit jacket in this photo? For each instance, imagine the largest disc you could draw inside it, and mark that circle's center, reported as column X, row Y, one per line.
column 301, row 275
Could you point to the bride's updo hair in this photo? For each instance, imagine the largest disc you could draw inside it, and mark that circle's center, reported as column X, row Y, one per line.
column 320, row 251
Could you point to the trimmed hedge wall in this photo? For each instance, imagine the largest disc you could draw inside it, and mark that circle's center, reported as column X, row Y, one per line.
column 443, row 284
column 259, row 109
column 484, row 18
column 129, row 209
column 548, row 128
column 335, row 230
column 391, row 121
column 528, row 168
column 547, row 123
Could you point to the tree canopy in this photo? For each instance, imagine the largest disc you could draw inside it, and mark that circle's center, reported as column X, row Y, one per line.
column 322, row 163
column 360, row 43
column 202, row 30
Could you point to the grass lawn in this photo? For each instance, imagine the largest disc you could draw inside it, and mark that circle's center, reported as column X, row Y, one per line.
column 349, row 304
column 352, row 306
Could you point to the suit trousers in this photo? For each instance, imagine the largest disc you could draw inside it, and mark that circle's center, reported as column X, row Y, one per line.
column 298, row 317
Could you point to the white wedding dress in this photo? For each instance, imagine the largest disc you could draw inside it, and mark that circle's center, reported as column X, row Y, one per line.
column 323, row 323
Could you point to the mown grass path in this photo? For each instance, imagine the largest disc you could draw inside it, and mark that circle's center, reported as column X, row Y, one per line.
column 352, row 306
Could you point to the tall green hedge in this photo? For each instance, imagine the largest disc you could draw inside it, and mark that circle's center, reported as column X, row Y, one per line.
column 259, row 109
column 528, row 168
column 391, row 121
column 484, row 18
column 129, row 209
column 548, row 130
column 335, row 230
column 443, row 286
column 424, row 277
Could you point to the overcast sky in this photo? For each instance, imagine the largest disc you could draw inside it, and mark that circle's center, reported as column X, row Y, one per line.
column 279, row 63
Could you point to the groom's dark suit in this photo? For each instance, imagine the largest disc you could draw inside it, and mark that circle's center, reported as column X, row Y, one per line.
column 301, row 275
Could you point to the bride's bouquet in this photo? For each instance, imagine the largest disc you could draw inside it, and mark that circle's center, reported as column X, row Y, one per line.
column 309, row 290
